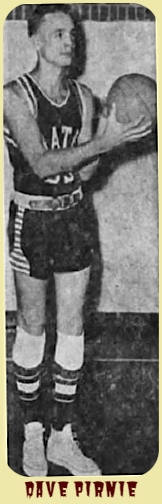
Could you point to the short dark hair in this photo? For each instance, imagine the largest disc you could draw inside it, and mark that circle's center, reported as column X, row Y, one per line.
column 34, row 21
column 41, row 10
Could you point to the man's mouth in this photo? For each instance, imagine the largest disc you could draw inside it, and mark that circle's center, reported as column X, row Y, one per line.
column 66, row 54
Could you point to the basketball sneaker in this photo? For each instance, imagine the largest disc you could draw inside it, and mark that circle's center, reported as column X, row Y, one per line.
column 63, row 449
column 34, row 461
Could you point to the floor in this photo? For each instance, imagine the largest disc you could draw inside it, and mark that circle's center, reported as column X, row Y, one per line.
column 117, row 402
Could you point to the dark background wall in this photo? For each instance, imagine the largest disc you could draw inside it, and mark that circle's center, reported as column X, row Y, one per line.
column 97, row 12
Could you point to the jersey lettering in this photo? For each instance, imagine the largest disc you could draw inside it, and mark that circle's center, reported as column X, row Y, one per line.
column 69, row 177
column 53, row 180
column 55, row 140
column 66, row 130
column 75, row 138
column 66, row 133
column 59, row 129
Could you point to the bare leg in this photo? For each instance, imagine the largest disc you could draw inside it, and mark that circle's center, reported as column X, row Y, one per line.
column 31, row 301
column 70, row 295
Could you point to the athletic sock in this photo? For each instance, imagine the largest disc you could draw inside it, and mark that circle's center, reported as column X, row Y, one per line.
column 27, row 355
column 66, row 371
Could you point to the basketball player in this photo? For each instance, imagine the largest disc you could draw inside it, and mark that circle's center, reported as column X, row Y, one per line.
column 48, row 127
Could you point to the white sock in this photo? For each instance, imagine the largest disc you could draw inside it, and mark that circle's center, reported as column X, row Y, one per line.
column 69, row 352
column 28, row 350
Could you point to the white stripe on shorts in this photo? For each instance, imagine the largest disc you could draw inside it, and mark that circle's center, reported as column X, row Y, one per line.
column 17, row 259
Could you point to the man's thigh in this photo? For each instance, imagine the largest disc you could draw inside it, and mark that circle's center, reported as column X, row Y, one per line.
column 31, row 302
column 70, row 291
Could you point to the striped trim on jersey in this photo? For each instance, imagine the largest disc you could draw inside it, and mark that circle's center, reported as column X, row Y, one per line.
column 53, row 103
column 29, row 95
column 24, row 82
column 32, row 104
column 82, row 99
column 8, row 138
column 17, row 259
column 74, row 84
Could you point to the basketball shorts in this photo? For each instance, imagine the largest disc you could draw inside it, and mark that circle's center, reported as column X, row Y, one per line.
column 41, row 242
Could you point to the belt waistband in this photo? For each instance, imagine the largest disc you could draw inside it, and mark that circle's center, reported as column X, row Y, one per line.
column 48, row 203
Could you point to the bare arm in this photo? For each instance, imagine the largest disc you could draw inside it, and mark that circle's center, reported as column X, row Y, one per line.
column 26, row 133
column 44, row 163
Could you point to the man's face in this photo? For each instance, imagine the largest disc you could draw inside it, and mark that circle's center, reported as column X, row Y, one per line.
column 56, row 39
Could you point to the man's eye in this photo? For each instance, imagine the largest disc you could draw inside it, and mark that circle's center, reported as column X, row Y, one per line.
column 59, row 34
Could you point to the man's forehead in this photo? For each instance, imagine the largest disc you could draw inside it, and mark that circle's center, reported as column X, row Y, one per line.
column 57, row 20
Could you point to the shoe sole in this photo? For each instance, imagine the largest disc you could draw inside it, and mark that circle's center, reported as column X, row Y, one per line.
column 63, row 463
column 29, row 472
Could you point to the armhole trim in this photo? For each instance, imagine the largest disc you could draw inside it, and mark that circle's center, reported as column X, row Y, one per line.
column 29, row 95
column 82, row 99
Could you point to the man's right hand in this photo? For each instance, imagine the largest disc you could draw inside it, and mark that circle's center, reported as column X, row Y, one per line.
column 112, row 133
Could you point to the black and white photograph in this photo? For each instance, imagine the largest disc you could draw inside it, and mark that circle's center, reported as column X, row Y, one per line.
column 81, row 239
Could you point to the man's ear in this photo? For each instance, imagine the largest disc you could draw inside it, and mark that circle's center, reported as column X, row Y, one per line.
column 36, row 41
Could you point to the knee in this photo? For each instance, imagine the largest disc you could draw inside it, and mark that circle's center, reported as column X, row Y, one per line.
column 30, row 324
column 70, row 321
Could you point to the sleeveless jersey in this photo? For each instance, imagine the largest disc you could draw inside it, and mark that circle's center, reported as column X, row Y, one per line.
column 59, row 125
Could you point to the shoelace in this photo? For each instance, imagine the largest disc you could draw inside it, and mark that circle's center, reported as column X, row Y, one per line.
column 75, row 438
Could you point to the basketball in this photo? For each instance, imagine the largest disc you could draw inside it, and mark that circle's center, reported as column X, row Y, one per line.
column 134, row 96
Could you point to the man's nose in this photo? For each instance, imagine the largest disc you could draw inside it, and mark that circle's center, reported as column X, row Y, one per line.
column 68, row 40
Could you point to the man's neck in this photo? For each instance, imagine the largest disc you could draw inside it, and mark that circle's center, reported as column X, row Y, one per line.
column 52, row 81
